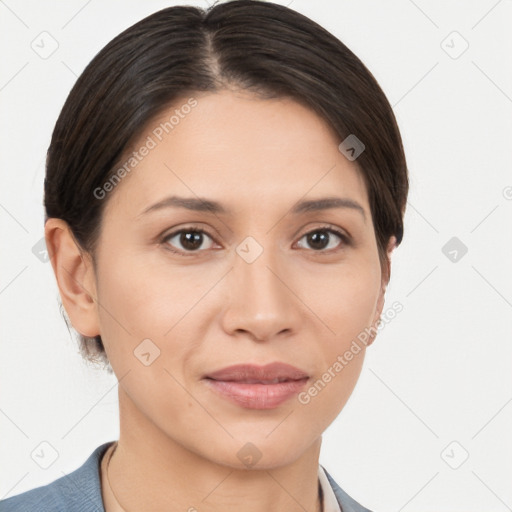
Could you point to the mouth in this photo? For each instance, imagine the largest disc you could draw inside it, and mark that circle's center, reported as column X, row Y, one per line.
column 257, row 387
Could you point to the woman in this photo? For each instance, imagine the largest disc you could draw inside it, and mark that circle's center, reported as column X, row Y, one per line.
column 223, row 192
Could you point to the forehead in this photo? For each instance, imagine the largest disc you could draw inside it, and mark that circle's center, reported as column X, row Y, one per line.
column 238, row 147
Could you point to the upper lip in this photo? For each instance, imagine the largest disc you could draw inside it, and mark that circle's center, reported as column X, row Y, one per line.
column 273, row 372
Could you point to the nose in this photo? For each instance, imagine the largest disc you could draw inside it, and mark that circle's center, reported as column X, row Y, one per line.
column 262, row 302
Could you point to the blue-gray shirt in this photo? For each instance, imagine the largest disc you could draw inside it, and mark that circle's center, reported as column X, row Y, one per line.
column 80, row 491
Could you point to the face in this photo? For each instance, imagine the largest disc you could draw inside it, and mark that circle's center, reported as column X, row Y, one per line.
column 184, row 293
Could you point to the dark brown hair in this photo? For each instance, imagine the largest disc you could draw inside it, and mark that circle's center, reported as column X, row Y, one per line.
column 258, row 46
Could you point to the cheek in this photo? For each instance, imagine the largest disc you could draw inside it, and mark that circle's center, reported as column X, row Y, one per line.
column 347, row 306
column 345, row 301
column 330, row 390
column 146, row 301
column 141, row 298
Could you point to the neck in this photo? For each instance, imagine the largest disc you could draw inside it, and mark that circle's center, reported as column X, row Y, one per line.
column 150, row 472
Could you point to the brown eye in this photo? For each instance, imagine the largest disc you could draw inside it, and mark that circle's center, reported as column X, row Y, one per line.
column 322, row 239
column 187, row 240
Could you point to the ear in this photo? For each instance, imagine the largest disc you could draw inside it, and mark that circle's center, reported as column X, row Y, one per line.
column 384, row 283
column 75, row 277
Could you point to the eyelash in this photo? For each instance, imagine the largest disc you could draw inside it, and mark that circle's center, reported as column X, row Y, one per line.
column 345, row 239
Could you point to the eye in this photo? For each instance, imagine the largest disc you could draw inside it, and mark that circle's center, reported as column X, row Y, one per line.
column 187, row 241
column 190, row 239
column 320, row 239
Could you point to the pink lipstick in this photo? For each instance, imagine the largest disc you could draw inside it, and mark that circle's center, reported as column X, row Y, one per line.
column 258, row 387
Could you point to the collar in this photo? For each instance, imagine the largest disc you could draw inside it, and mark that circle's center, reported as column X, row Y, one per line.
column 329, row 498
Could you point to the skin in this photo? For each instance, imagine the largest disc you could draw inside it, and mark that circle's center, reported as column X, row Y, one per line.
column 210, row 309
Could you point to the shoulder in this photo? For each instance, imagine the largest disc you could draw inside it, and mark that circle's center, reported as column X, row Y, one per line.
column 78, row 491
column 347, row 504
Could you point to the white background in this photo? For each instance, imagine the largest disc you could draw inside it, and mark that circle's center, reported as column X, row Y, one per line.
column 440, row 372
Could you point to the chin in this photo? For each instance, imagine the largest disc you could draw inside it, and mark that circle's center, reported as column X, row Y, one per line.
column 258, row 450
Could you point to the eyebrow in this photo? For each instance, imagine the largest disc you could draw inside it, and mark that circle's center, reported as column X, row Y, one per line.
column 214, row 207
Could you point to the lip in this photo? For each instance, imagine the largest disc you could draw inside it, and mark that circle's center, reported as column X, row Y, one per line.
column 257, row 387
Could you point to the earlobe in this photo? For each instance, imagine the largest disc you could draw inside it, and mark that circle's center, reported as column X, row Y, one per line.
column 382, row 293
column 389, row 250
column 74, row 273
column 378, row 313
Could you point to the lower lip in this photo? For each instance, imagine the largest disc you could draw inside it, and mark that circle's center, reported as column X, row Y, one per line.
column 257, row 396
